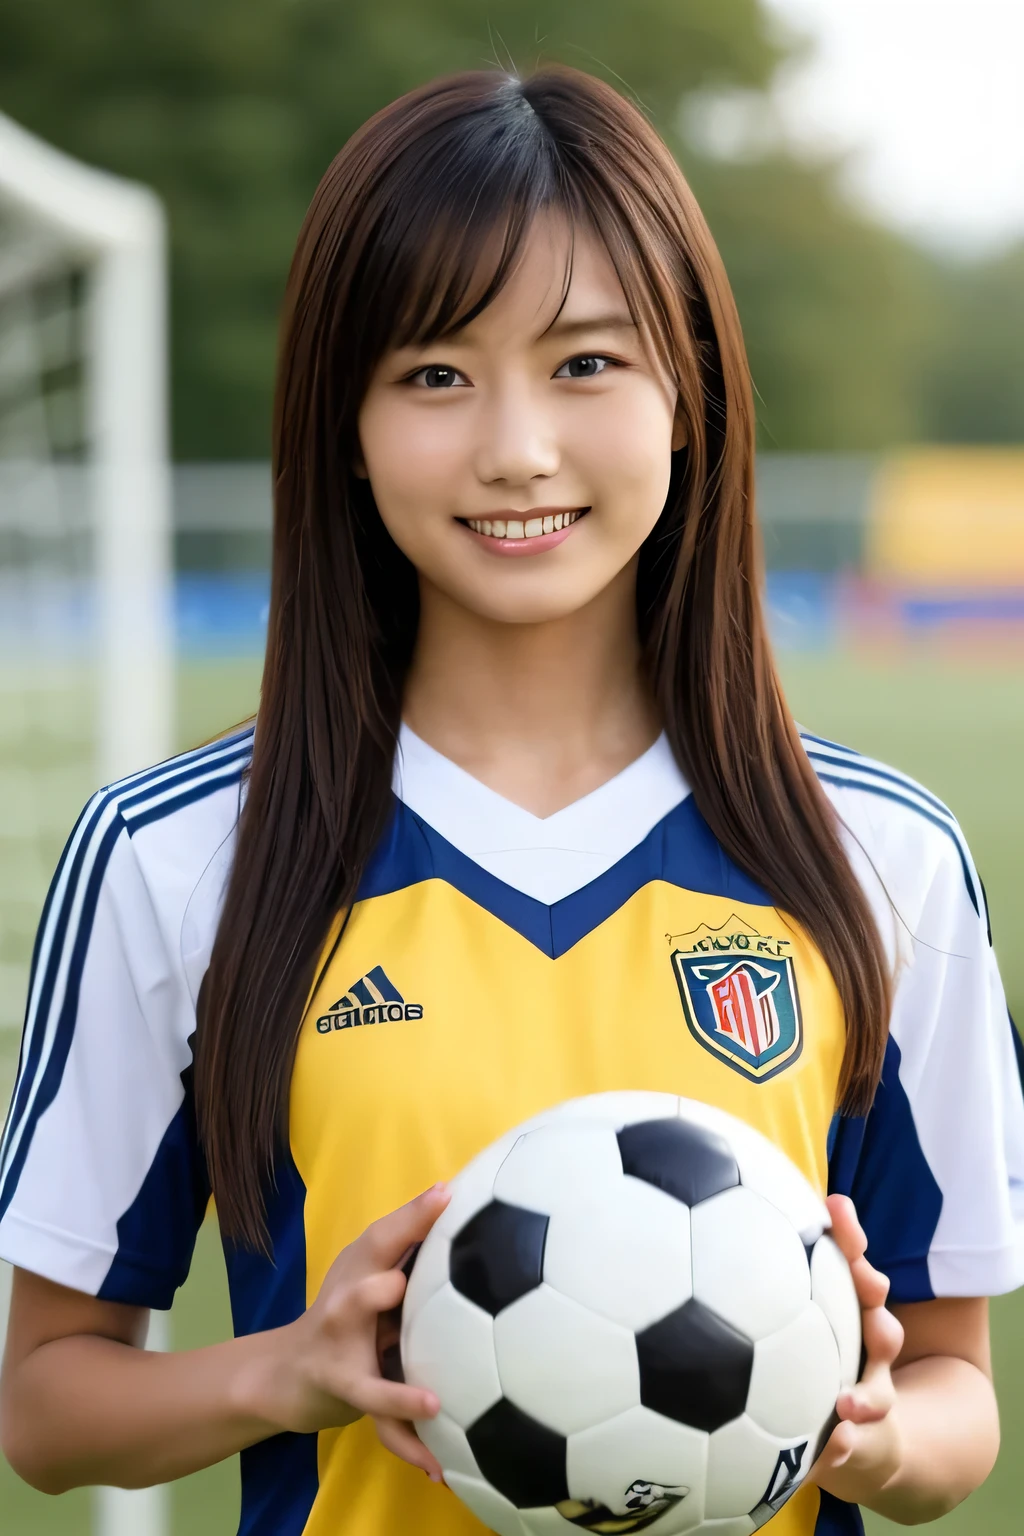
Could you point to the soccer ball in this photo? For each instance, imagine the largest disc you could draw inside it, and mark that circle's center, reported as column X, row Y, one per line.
column 633, row 1319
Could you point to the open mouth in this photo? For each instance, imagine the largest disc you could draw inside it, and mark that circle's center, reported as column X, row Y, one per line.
column 526, row 528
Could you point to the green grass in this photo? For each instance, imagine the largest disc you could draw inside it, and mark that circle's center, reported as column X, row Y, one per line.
column 959, row 730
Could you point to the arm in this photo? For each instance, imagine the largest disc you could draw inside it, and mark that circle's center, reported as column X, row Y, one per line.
column 81, row 1402
column 920, row 1431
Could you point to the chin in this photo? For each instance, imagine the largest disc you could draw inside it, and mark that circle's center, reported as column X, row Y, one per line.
column 542, row 607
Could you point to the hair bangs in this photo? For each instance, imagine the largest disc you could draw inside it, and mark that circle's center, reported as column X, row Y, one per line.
column 458, row 218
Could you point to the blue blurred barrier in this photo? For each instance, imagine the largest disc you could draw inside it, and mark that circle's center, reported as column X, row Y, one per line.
column 803, row 610
column 221, row 613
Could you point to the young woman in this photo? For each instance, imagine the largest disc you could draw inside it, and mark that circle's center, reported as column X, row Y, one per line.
column 521, row 749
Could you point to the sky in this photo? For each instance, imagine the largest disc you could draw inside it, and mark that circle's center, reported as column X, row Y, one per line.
column 928, row 97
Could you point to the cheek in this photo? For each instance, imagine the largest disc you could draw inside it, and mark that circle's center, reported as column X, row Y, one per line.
column 626, row 449
column 410, row 456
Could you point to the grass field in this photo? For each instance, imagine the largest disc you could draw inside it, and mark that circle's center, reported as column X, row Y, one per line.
column 961, row 730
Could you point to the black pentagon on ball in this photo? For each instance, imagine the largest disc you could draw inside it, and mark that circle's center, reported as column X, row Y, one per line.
column 498, row 1255
column 694, row 1367
column 685, row 1160
column 524, row 1460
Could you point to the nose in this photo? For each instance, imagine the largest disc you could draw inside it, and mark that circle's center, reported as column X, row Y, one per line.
column 518, row 440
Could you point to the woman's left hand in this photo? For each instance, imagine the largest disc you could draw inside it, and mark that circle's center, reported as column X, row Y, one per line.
column 865, row 1450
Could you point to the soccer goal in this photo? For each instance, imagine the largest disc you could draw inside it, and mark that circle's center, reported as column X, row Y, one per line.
column 86, row 661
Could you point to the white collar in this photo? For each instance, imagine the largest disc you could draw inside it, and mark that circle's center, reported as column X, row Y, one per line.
column 547, row 857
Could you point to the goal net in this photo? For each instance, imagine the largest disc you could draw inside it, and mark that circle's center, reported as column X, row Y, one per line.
column 85, row 655
column 85, row 640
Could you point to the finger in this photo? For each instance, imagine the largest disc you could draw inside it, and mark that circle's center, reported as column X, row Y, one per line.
column 882, row 1334
column 386, row 1241
column 392, row 1399
column 847, row 1232
column 402, row 1441
column 871, row 1285
column 367, row 1298
column 867, row 1403
column 837, row 1451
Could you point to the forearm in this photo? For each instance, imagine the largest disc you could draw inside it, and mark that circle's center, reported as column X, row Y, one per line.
column 949, row 1428
column 84, row 1410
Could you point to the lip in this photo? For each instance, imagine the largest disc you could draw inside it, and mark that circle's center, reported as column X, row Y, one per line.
column 518, row 548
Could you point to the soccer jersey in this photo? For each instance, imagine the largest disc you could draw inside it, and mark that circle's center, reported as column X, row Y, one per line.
column 495, row 964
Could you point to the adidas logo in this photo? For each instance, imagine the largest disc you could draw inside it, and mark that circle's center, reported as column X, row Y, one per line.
column 373, row 999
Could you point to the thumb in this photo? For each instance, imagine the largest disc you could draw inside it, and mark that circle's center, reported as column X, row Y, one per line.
column 387, row 1240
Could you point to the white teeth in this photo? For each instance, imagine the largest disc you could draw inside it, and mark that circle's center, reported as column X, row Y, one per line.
column 516, row 528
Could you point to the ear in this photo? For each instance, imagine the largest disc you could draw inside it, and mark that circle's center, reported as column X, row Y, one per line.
column 680, row 433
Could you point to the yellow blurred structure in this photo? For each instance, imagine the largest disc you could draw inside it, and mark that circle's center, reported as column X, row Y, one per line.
column 951, row 518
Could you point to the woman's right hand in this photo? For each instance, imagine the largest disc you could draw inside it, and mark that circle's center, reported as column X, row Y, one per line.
column 325, row 1371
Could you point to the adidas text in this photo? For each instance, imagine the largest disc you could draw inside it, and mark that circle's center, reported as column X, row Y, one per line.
column 368, row 1013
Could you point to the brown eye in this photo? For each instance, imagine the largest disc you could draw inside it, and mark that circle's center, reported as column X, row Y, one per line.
column 437, row 377
column 587, row 366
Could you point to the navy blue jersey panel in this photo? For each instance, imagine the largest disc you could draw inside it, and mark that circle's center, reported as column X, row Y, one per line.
column 269, row 1292
column 43, row 1073
column 156, row 1236
column 279, row 1476
column 877, row 1160
column 838, row 1519
column 280, row 1480
column 1018, row 1048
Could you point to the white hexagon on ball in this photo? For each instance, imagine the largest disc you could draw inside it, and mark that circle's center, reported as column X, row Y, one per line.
column 448, row 1442
column 742, row 1459
column 555, row 1167
column 795, row 1380
column 448, row 1348
column 564, row 1366
column 639, row 1446
column 623, row 1252
column 833, row 1289
column 749, row 1264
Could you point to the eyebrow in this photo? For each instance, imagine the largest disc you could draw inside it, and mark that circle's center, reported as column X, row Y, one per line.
column 611, row 322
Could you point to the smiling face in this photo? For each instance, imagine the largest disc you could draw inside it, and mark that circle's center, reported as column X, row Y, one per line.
column 521, row 462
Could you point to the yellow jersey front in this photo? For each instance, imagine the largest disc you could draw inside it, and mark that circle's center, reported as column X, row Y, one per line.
column 452, row 1007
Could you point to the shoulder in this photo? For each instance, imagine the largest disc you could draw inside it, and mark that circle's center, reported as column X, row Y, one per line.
column 151, row 843
column 906, row 836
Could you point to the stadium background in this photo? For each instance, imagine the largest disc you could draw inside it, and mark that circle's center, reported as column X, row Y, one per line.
column 890, row 378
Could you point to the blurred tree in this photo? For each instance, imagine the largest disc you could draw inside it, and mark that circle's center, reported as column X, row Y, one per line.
column 972, row 384
column 232, row 109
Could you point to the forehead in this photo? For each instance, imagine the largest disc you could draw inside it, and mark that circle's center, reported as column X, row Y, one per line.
column 563, row 275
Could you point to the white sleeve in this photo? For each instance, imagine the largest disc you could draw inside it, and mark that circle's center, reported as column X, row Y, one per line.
column 937, row 1167
column 102, row 1187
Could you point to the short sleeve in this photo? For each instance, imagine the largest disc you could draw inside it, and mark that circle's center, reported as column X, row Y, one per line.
column 102, row 1185
column 936, row 1169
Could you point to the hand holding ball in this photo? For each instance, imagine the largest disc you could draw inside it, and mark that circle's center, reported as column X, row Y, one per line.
column 633, row 1318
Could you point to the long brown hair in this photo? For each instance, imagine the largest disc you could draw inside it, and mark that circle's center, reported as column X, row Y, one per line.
column 399, row 246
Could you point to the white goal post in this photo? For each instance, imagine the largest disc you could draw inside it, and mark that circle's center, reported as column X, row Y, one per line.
column 116, row 229
column 107, row 500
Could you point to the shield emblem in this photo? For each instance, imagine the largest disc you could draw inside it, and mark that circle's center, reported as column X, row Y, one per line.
column 744, row 1008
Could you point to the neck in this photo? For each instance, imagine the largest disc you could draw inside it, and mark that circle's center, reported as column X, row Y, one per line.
column 542, row 713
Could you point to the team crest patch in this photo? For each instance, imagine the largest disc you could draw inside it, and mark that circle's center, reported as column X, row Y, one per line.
column 739, row 996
